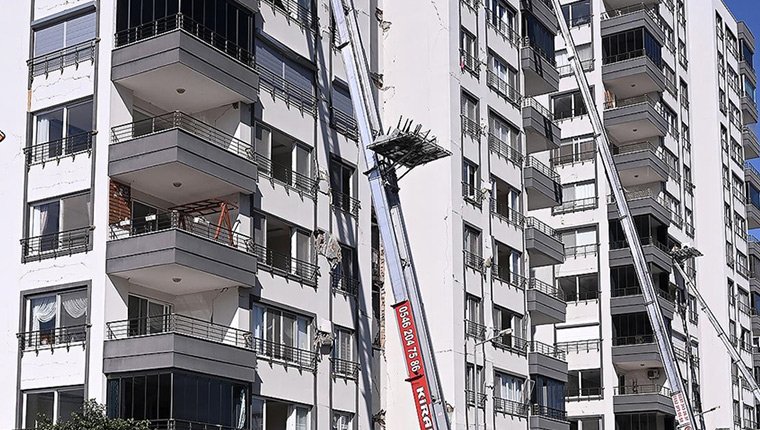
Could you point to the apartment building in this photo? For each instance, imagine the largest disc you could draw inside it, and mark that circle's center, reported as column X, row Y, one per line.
column 189, row 235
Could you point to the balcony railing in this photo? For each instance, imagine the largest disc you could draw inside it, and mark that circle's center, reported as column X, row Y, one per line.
column 470, row 127
column 473, row 194
column 650, row 10
column 585, row 393
column 567, row 69
column 475, row 330
column 501, row 210
column 481, row 398
column 55, row 245
column 473, row 260
column 175, row 424
column 547, row 350
column 345, row 368
column 530, row 102
column 649, row 99
column 533, row 162
column 547, row 412
column 630, row 55
column 510, row 407
column 301, row 358
column 179, row 324
column 581, row 250
column 576, row 205
column 503, row 28
column 168, row 220
column 503, row 87
column 577, row 156
column 469, row 62
column 511, row 343
column 639, row 339
column 529, row 44
column 344, row 284
column 344, row 123
column 625, row 390
column 68, row 146
column 295, row 10
column 300, row 97
column 345, row 203
column 286, row 175
column 58, row 60
column 505, row 150
column 184, row 23
column 635, row 290
column 548, row 289
column 645, row 241
column 504, row 274
column 535, row 223
column 284, row 265
column 51, row 338
column 579, row 346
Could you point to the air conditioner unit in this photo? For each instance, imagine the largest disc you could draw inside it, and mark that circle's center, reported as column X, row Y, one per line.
column 653, row 373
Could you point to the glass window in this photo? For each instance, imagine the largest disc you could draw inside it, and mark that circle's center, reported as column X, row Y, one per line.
column 58, row 318
column 40, row 406
column 62, row 131
column 472, row 241
column 508, row 387
column 631, row 44
column 541, row 38
column 578, row 13
column 342, row 420
column 64, row 34
column 568, row 105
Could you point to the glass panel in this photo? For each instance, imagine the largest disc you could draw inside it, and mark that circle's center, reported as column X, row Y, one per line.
column 76, row 212
column 48, row 39
column 79, row 123
column 39, row 408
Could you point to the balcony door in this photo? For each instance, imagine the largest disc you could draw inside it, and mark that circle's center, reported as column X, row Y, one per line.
column 283, row 332
column 147, row 316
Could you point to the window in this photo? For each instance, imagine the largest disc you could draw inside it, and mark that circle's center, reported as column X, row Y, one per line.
column 740, row 225
column 504, row 139
column 682, row 60
column 64, row 34
column 503, row 78
column 504, row 319
column 729, row 254
column 541, row 39
column 585, row 54
column 345, row 275
column 147, row 316
column 508, row 387
column 746, row 54
column 475, row 380
column 60, row 224
column 56, row 318
column 575, row 150
column 642, row 421
column 503, row 17
column 684, row 94
column 470, row 116
column 470, row 181
column 586, row 383
column 506, row 263
column 342, row 186
column 472, row 243
column 579, row 242
column 344, row 344
column 593, row 423
column 631, row 44
column 468, row 49
column 280, row 157
column 749, row 89
column 342, row 114
column 474, row 312
column 54, row 406
column 577, row 196
column 577, row 13
column 274, row 328
column 60, row 131
column 548, row 393
column 342, row 420
column 580, row 287
column 568, row 105
column 722, row 100
column 733, row 80
column 284, row 76
column 731, row 42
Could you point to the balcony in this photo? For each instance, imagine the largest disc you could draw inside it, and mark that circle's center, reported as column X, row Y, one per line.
column 620, row 4
column 62, row 243
column 475, row 330
column 156, row 154
column 631, row 300
column 546, row 418
column 541, row 132
column 178, row 253
column 655, row 252
column 510, row 407
column 547, row 360
column 543, row 10
column 642, row 202
column 539, row 69
column 154, row 58
column 640, row 163
column 636, row 118
column 750, row 143
column 632, row 17
column 546, row 303
column 542, row 184
column 642, row 398
column 749, row 109
column 635, row 351
column 344, row 368
column 543, row 244
column 179, row 341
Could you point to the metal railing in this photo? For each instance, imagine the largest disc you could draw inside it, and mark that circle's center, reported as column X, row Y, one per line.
column 576, row 206
column 181, row 121
column 582, row 250
column 284, row 265
column 558, row 159
column 51, row 338
column 68, row 146
column 578, row 346
column 184, row 23
column 639, row 339
column 530, row 102
column 649, row 99
column 286, row 175
column 526, row 43
column 344, row 123
column 473, row 260
column 292, row 94
column 345, row 284
column 649, row 10
column 473, row 194
column 474, row 330
column 345, row 368
column 625, row 390
column 547, row 350
column 175, row 424
column 295, row 10
column 585, row 393
column 501, row 210
column 505, row 150
column 744, row 308
column 502, row 28
column 548, row 289
column 62, row 58
column 511, row 343
column 302, row 358
column 481, row 398
column 58, row 244
column 510, row 407
column 471, row 127
column 547, row 171
column 504, row 274
column 635, row 290
column 547, row 412
column 345, row 203
column 567, row 69
column 645, row 241
column 179, row 324
column 168, row 220
column 535, row 223
column 503, row 87
column 469, row 62
column 630, row 55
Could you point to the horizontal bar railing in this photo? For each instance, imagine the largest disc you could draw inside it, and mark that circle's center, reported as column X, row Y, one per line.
column 68, row 146
column 505, row 150
column 169, row 220
column 58, row 244
column 344, row 284
column 469, row 62
column 546, row 349
column 471, row 127
column 530, row 102
column 639, row 339
column 645, row 241
column 623, row 390
column 286, row 175
column 473, row 260
column 344, row 123
column 587, row 250
column 529, row 44
column 292, row 94
column 475, row 330
column 179, row 324
column 296, row 10
column 504, row 274
column 545, row 411
column 578, row 346
column 648, row 99
column 345, row 203
column 533, row 162
column 503, row 87
column 511, row 343
column 182, row 121
column 567, row 69
column 481, row 398
column 510, row 407
column 184, row 23
column 502, row 211
column 345, row 368
column 548, row 289
column 473, row 193
column 302, row 358
column 62, row 58
column 535, row 223
column 503, row 28
column 285, row 265
column 585, row 393
column 627, row 10
column 576, row 205
column 635, row 290
column 50, row 338
column 558, row 159
column 176, row 424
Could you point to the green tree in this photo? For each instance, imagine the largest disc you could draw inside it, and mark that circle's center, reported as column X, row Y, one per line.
column 93, row 417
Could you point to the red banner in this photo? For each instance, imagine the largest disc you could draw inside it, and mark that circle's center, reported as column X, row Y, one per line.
column 415, row 366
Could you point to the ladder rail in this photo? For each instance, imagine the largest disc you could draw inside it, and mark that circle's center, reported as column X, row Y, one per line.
column 672, row 372
column 390, row 218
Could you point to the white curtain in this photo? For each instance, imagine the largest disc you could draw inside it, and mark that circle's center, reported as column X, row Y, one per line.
column 43, row 130
column 241, row 410
column 75, row 304
column 43, row 310
column 584, row 191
